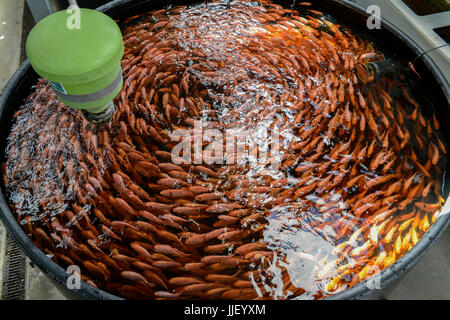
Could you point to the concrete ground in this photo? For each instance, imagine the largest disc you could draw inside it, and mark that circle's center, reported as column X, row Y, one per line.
column 2, row 253
column 429, row 279
column 11, row 13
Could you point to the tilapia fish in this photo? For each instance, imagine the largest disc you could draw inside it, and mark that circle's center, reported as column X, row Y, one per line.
column 336, row 179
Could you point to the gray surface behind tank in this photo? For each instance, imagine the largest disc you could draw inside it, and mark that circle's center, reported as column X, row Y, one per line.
column 11, row 12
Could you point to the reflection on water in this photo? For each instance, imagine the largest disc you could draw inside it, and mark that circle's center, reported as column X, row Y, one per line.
column 357, row 184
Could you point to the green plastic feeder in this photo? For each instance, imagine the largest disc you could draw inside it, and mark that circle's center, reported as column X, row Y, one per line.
column 80, row 56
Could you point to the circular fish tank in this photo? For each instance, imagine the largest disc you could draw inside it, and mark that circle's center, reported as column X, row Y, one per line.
column 338, row 190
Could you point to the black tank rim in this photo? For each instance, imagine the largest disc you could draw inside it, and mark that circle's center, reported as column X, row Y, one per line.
column 59, row 276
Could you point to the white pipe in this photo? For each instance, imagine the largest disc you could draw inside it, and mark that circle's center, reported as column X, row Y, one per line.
column 73, row 4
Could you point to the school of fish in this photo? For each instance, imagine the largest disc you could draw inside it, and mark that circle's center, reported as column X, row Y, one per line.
column 358, row 184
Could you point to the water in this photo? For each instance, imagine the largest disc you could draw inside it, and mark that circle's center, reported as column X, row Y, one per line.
column 327, row 181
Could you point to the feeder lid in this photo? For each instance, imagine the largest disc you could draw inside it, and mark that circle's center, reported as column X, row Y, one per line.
column 61, row 52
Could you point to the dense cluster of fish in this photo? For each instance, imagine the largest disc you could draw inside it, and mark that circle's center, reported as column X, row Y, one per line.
column 357, row 186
